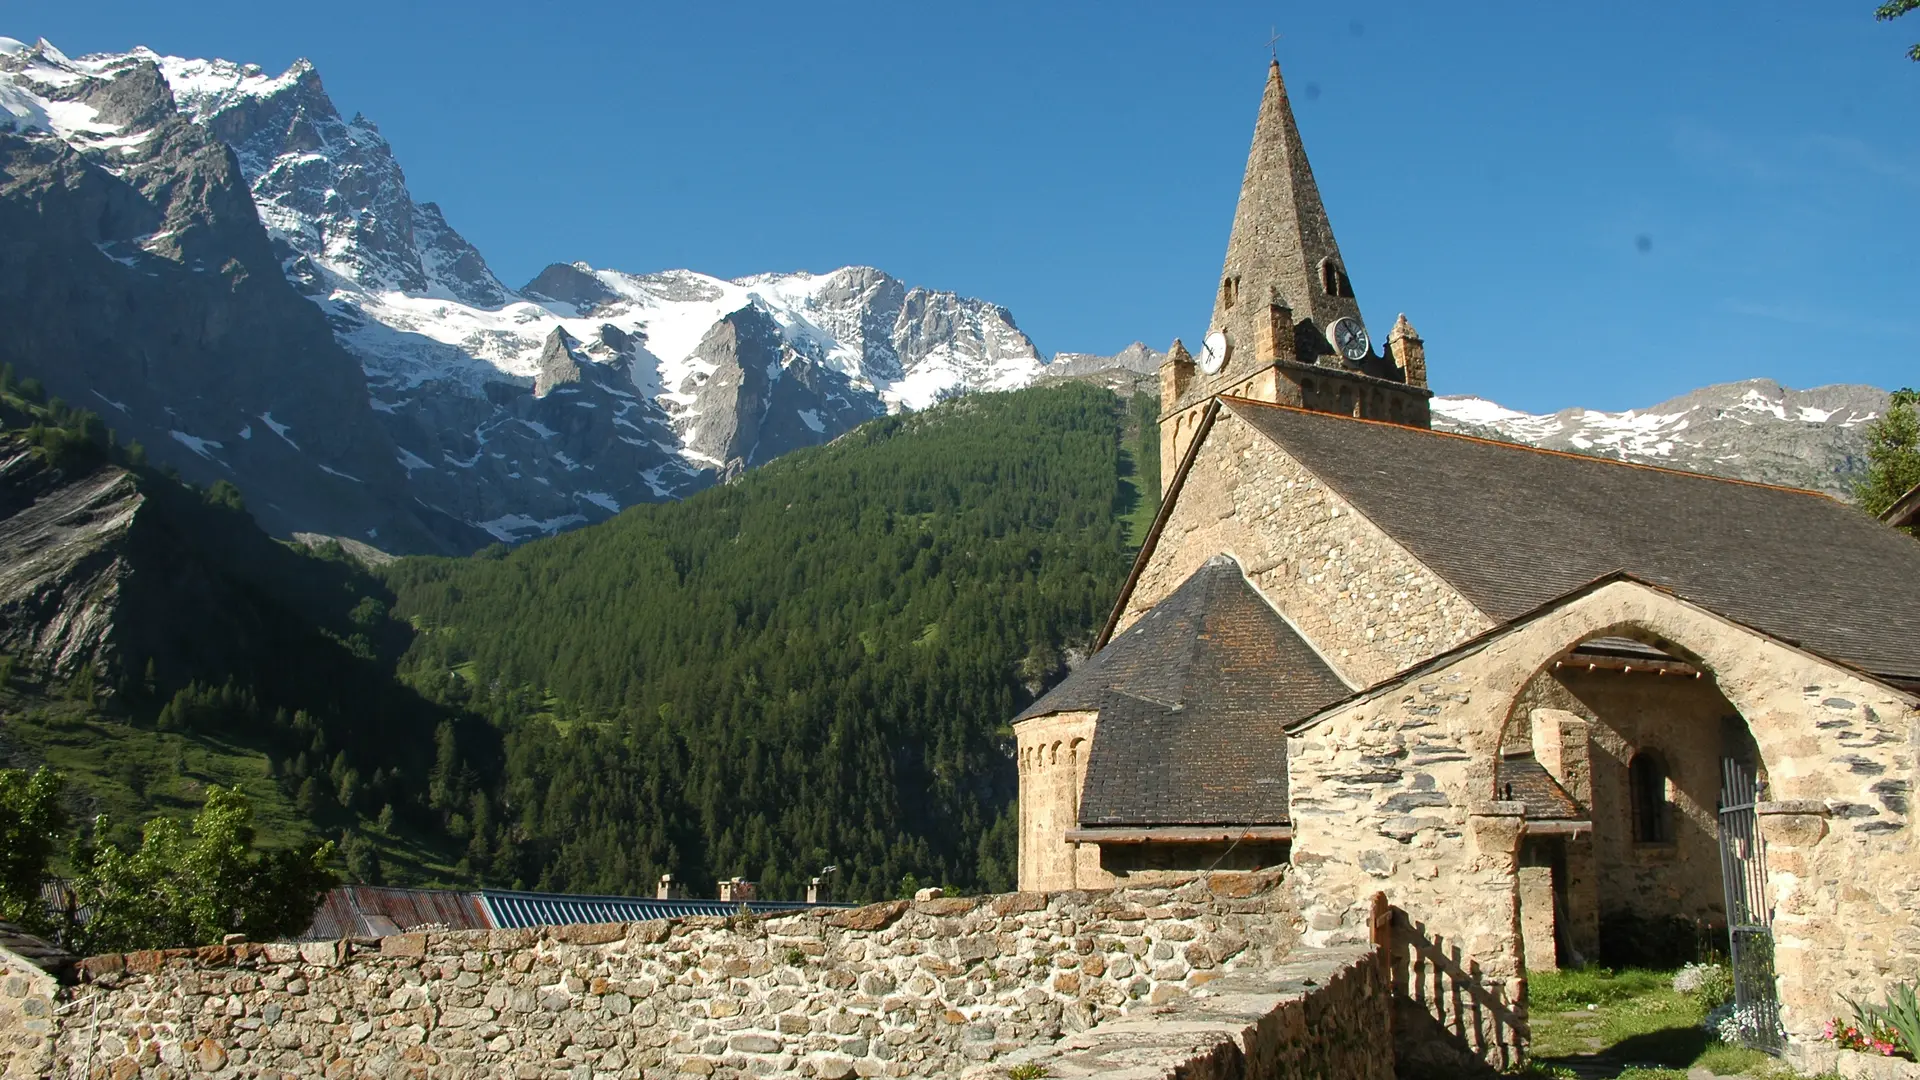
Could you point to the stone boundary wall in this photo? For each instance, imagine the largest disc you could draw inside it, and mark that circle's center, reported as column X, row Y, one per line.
column 1322, row 1014
column 896, row 989
column 28, row 998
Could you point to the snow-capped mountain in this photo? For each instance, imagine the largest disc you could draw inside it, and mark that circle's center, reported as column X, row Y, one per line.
column 239, row 277
column 526, row 411
column 1750, row 430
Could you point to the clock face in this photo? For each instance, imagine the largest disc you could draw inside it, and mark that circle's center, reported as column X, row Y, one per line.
column 1350, row 340
column 1213, row 352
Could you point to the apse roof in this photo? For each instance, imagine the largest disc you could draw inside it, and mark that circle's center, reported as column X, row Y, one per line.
column 1194, row 699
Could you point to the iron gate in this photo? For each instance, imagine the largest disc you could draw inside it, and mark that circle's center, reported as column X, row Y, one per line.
column 1743, row 871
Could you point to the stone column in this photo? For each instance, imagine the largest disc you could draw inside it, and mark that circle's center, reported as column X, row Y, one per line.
column 1791, row 830
column 1582, row 899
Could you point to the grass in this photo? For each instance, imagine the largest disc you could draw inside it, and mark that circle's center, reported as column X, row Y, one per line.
column 1631, row 1024
column 133, row 774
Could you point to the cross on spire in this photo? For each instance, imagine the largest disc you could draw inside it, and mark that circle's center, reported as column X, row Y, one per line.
column 1273, row 43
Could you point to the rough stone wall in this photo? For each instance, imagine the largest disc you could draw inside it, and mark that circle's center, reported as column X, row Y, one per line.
column 1355, row 594
column 27, row 997
column 1393, row 792
column 899, row 989
column 1323, row 1014
column 1052, row 753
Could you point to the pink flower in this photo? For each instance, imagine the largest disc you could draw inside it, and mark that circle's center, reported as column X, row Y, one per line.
column 1884, row 1047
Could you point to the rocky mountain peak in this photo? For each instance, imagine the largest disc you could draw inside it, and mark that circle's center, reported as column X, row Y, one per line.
column 559, row 363
column 571, row 284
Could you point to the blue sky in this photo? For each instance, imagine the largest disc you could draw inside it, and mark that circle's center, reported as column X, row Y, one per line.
column 1602, row 205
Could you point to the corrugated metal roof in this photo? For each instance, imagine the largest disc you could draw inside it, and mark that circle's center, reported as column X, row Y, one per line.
column 517, row 909
column 376, row 911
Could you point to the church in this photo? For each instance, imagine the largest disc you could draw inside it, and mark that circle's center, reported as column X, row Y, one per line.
column 1538, row 699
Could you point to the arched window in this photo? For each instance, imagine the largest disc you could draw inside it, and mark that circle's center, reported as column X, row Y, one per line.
column 1333, row 278
column 1229, row 292
column 1652, row 809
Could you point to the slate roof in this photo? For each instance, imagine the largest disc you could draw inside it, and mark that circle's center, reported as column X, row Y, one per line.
column 1194, row 700
column 1521, row 778
column 1513, row 528
column 37, row 951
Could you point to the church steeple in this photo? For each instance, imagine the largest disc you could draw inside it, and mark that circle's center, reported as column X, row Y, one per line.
column 1286, row 329
column 1282, row 248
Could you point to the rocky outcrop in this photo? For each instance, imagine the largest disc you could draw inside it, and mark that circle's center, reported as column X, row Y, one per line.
column 62, row 559
column 558, row 364
column 754, row 398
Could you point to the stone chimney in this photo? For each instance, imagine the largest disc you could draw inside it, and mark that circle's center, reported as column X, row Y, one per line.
column 736, row 890
column 1176, row 374
column 817, row 890
column 1408, row 351
column 1560, row 744
column 669, row 889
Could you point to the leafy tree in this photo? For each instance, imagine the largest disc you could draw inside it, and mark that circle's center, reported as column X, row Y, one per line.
column 180, row 889
column 1893, row 9
column 31, row 822
column 1893, row 452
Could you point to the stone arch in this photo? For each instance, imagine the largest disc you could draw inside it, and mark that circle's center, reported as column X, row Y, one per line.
column 1637, row 740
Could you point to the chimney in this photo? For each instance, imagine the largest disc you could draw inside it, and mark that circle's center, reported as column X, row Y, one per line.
column 1176, row 374
column 1408, row 351
column 736, row 890
column 1275, row 330
column 817, row 890
column 669, row 889
column 1560, row 745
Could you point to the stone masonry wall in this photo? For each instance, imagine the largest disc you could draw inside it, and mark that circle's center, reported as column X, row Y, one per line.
column 1394, row 792
column 1323, row 1014
column 27, row 1002
column 898, row 989
column 1358, row 596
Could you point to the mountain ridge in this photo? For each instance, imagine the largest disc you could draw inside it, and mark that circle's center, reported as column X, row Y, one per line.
column 433, row 407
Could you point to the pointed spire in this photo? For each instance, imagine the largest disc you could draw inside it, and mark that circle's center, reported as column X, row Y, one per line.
column 1282, row 243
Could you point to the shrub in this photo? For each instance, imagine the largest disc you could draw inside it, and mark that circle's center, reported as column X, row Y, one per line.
column 1711, row 984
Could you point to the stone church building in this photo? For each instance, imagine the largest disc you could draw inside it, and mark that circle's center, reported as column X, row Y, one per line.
column 1529, row 695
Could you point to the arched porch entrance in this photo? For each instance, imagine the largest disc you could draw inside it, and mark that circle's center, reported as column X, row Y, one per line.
column 1624, row 751
column 1639, row 783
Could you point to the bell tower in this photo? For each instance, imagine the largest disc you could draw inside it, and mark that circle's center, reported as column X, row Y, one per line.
column 1286, row 326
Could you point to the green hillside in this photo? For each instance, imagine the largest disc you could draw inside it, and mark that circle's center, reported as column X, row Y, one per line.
column 812, row 665
column 221, row 656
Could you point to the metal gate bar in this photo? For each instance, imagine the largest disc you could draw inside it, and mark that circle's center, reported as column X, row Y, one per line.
column 1743, row 871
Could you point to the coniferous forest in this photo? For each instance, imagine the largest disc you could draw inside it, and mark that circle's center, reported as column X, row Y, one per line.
column 814, row 665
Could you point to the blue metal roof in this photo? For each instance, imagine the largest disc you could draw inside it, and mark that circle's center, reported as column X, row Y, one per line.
column 508, row 909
